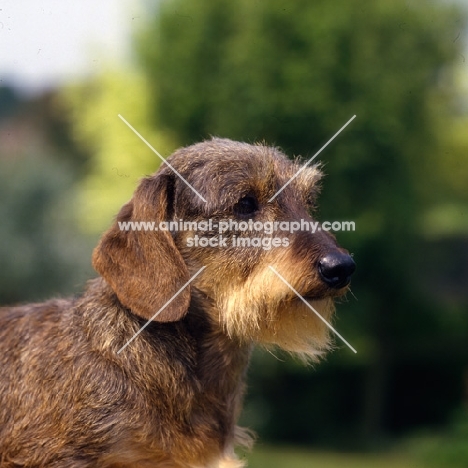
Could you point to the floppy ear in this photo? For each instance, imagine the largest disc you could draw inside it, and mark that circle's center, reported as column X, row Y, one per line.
column 145, row 268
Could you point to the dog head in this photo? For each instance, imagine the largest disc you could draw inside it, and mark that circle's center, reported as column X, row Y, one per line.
column 234, row 210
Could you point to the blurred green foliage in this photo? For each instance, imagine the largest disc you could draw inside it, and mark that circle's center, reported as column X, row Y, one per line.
column 449, row 450
column 292, row 458
column 41, row 252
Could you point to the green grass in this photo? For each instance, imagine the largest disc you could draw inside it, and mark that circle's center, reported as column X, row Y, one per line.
column 268, row 457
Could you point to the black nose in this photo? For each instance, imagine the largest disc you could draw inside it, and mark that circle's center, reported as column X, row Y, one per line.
column 336, row 269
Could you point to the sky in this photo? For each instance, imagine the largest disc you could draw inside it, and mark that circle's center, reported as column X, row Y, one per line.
column 46, row 42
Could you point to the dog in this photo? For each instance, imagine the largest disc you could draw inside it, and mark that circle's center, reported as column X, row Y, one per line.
column 147, row 367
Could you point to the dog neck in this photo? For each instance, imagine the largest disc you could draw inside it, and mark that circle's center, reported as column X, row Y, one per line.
column 223, row 360
column 221, row 369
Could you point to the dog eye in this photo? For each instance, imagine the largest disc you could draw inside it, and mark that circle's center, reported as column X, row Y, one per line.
column 246, row 206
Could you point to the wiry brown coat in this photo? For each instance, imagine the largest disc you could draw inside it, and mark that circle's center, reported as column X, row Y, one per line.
column 171, row 398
